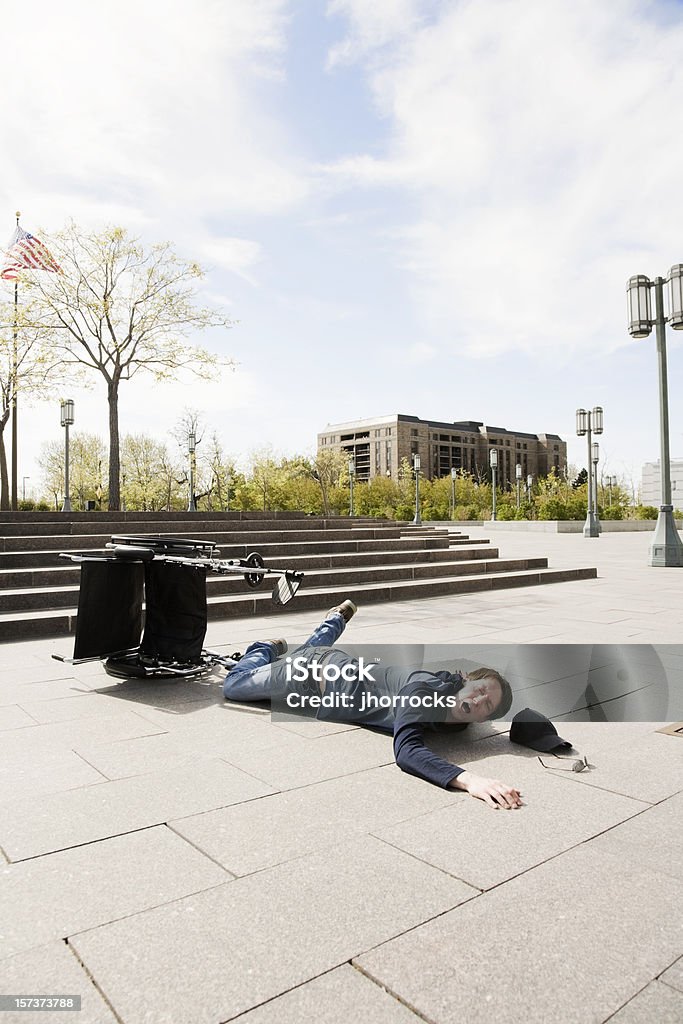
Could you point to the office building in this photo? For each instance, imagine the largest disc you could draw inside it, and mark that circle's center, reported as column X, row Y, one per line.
column 378, row 446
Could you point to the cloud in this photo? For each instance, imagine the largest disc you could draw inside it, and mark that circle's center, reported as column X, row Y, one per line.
column 536, row 146
column 150, row 109
column 237, row 255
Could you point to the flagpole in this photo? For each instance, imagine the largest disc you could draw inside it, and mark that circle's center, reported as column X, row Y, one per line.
column 15, row 375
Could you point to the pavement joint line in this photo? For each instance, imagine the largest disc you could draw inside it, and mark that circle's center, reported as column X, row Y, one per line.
column 390, row 992
column 90, row 842
column 629, row 1000
column 194, row 846
column 93, row 981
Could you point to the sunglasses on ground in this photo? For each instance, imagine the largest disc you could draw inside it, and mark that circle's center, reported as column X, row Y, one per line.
column 577, row 764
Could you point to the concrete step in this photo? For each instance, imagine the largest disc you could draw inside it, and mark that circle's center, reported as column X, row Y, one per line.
column 189, row 526
column 66, row 573
column 66, row 596
column 272, row 551
column 33, row 624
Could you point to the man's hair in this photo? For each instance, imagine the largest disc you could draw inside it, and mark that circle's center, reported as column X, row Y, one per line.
column 505, row 689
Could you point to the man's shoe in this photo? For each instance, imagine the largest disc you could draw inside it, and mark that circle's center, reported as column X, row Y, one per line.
column 347, row 609
column 280, row 647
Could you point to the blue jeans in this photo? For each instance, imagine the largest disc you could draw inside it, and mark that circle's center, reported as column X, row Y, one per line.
column 256, row 676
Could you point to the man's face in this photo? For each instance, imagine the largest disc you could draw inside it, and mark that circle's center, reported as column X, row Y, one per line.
column 478, row 699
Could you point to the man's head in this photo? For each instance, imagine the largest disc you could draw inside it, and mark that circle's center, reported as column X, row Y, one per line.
column 485, row 694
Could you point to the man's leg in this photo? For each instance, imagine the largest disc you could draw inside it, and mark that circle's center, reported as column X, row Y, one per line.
column 332, row 626
column 256, row 678
column 253, row 677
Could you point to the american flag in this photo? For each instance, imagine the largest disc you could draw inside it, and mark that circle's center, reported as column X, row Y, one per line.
column 25, row 252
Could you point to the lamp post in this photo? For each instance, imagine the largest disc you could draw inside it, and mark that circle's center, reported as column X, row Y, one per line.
column 518, row 478
column 666, row 547
column 454, row 474
column 417, row 521
column 493, row 462
column 589, row 422
column 529, row 485
column 595, row 453
column 67, row 419
column 23, row 487
column 192, row 450
column 611, row 482
column 352, row 473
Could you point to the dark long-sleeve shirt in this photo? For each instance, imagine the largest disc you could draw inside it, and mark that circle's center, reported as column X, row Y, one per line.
column 404, row 688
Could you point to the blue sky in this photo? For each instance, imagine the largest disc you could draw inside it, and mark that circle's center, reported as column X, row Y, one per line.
column 419, row 207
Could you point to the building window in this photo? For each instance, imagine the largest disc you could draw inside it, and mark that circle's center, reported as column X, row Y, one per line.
column 413, row 431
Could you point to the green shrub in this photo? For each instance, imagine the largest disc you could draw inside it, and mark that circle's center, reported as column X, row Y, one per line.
column 645, row 512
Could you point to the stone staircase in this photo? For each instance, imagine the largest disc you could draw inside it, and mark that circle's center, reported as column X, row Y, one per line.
column 366, row 559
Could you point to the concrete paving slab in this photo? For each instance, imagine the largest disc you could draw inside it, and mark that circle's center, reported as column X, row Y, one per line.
column 15, row 692
column 653, row 839
column 651, row 769
column 107, row 809
column 251, row 940
column 452, row 838
column 571, row 940
column 340, row 997
column 38, row 739
column 14, row 717
column 674, row 975
column 283, row 827
column 162, row 752
column 52, row 969
column 302, row 762
column 46, row 773
column 656, row 1002
column 53, row 897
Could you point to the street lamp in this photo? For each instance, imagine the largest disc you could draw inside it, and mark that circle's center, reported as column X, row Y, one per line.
column 518, row 478
column 587, row 422
column 192, row 450
column 611, row 482
column 666, row 547
column 352, row 473
column 595, row 454
column 529, row 485
column 417, row 521
column 67, row 419
column 454, row 474
column 493, row 462
column 23, row 487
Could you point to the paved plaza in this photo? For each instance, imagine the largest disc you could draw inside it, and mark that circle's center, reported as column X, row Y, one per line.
column 171, row 858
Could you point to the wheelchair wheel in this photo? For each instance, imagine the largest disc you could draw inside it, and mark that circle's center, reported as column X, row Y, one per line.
column 137, row 666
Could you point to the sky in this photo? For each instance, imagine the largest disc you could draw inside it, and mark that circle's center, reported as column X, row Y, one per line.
column 429, row 207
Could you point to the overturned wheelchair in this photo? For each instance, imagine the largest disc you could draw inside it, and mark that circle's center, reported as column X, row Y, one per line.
column 169, row 575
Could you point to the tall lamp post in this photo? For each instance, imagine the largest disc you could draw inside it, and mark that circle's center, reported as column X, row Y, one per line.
column 518, row 478
column 493, row 462
column 352, row 473
column 417, row 521
column 587, row 423
column 611, row 482
column 595, row 451
column 666, row 547
column 23, row 487
column 67, row 419
column 192, row 450
column 454, row 474
column 529, row 485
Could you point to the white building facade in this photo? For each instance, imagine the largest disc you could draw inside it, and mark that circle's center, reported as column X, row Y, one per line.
column 651, row 484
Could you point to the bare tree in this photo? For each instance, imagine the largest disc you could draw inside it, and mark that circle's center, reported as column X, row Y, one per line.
column 117, row 308
column 34, row 373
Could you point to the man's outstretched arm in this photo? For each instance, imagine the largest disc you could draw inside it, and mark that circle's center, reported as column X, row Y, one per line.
column 492, row 791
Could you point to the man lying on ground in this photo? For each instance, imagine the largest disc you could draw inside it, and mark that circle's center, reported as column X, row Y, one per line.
column 403, row 700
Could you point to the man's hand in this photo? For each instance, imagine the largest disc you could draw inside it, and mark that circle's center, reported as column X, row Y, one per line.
column 491, row 791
